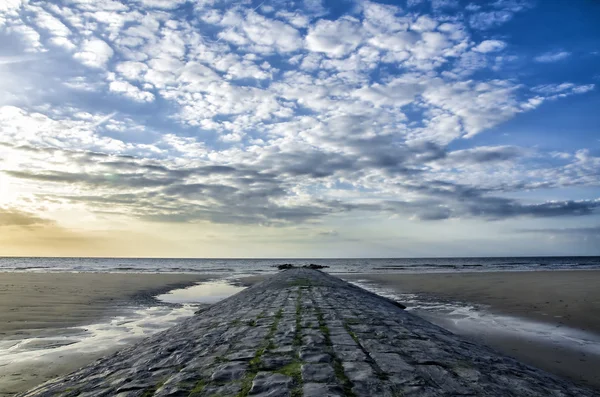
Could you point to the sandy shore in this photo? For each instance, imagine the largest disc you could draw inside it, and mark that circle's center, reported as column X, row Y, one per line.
column 36, row 305
column 565, row 297
column 30, row 303
column 559, row 298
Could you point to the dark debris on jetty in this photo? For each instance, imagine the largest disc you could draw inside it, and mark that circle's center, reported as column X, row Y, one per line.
column 288, row 266
column 304, row 333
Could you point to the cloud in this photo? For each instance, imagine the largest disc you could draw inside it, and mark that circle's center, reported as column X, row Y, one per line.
column 492, row 15
column 15, row 217
column 490, row 19
column 485, row 154
column 490, row 46
column 132, row 70
column 260, row 115
column 131, row 91
column 593, row 231
column 56, row 28
column 94, row 53
column 550, row 57
column 562, row 90
column 267, row 193
column 334, row 38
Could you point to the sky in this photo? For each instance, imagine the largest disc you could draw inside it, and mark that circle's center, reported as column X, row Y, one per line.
column 311, row 128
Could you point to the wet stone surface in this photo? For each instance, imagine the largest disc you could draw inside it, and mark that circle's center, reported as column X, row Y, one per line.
column 305, row 333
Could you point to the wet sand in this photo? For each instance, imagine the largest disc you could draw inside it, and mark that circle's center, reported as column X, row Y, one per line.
column 559, row 298
column 570, row 298
column 46, row 304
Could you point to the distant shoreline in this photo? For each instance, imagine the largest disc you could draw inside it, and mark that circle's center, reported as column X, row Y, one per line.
column 262, row 266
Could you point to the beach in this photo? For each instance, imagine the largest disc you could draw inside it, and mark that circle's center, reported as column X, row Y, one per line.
column 302, row 332
column 44, row 314
column 526, row 315
column 542, row 318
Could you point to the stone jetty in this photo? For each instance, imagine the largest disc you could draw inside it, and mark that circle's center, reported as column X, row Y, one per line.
column 305, row 333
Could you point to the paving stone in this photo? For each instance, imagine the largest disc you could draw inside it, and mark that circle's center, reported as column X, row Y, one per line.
column 230, row 389
column 322, row 390
column 315, row 356
column 271, row 384
column 313, row 340
column 215, row 352
column 229, row 372
column 282, row 350
column 318, row 373
column 349, row 353
column 391, row 362
column 242, row 355
column 371, row 387
column 358, row 370
column 273, row 362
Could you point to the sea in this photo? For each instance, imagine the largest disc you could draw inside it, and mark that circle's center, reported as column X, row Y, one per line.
column 259, row 266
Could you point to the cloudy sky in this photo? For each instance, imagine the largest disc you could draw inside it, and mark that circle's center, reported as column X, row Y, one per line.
column 310, row 128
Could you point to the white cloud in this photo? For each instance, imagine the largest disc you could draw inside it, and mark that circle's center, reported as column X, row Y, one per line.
column 162, row 4
column 489, row 19
column 21, row 127
column 260, row 34
column 479, row 105
column 80, row 83
column 281, row 106
column 549, row 57
column 397, row 93
column 63, row 42
column 131, row 70
column 335, row 38
column 131, row 91
column 582, row 89
column 30, row 37
column 47, row 21
column 10, row 7
column 94, row 53
column 553, row 88
column 271, row 33
column 294, row 18
column 490, row 46
column 315, row 7
column 562, row 90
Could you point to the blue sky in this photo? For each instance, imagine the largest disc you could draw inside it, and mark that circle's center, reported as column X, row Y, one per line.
column 216, row 128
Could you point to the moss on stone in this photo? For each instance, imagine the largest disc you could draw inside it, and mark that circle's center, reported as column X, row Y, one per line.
column 298, row 333
column 351, row 333
column 302, row 282
column 198, row 388
column 151, row 390
column 254, row 364
column 338, row 368
column 293, row 370
column 220, row 359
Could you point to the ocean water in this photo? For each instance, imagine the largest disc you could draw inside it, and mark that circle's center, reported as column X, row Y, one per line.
column 258, row 266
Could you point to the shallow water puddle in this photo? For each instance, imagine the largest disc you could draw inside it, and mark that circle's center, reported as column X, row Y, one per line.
column 207, row 293
column 119, row 330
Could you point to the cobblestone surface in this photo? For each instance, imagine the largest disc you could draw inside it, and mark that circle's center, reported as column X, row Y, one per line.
column 306, row 333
